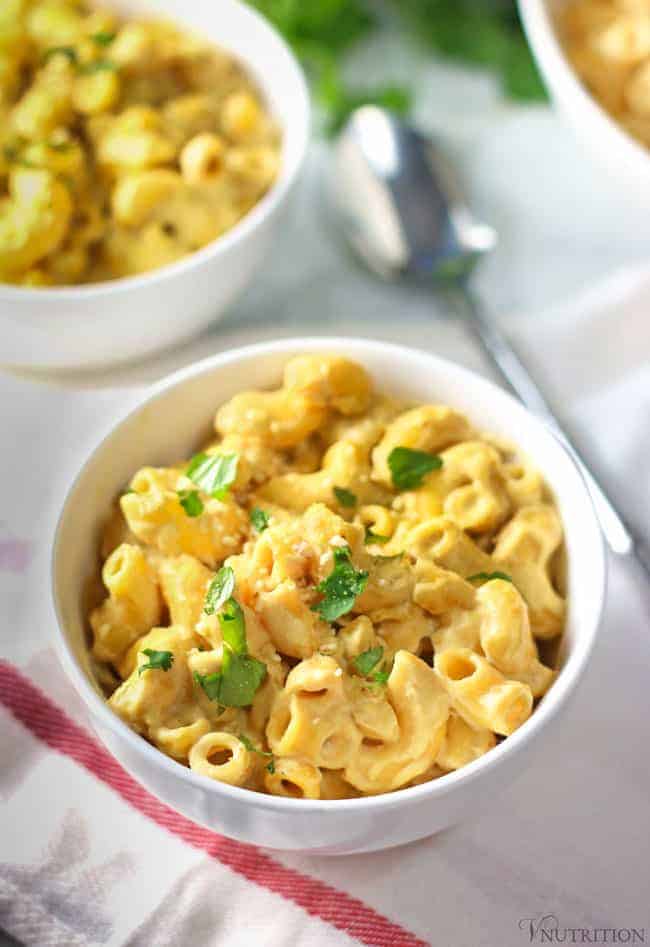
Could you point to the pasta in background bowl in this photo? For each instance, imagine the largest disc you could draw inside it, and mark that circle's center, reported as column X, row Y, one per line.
column 363, row 660
column 606, row 140
column 142, row 152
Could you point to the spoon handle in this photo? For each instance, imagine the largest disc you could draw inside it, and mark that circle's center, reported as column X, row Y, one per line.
column 619, row 535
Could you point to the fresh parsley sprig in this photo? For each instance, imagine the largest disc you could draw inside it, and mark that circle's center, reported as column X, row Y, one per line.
column 250, row 746
column 341, row 587
column 191, row 502
column 346, row 498
column 409, row 467
column 214, row 474
column 236, row 684
column 220, row 590
column 488, row 576
column 158, row 660
column 259, row 518
column 366, row 662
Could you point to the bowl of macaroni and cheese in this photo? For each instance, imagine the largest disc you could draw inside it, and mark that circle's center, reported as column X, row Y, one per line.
column 594, row 56
column 147, row 150
column 334, row 611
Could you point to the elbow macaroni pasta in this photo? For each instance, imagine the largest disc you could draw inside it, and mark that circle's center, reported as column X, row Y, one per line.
column 125, row 144
column 608, row 43
column 431, row 659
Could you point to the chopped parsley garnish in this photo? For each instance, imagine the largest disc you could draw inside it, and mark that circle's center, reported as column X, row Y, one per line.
column 191, row 502
column 103, row 39
column 253, row 749
column 409, row 467
column 372, row 537
column 367, row 661
column 345, row 497
column 341, row 587
column 219, row 590
column 236, row 684
column 99, row 65
column 488, row 576
column 259, row 518
column 158, row 660
column 68, row 51
column 213, row 473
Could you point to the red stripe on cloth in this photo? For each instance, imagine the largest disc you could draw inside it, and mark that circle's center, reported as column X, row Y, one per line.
column 49, row 723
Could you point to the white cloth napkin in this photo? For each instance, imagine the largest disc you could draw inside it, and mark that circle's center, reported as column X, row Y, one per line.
column 87, row 857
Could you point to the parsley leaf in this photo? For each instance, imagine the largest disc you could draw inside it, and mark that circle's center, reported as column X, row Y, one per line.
column 409, row 467
column 191, row 502
column 103, row 39
column 220, row 590
column 236, row 684
column 367, row 660
column 158, row 660
column 488, row 576
column 345, row 497
column 381, row 677
column 341, row 587
column 233, row 625
column 372, row 537
column 253, row 749
column 259, row 518
column 213, row 473
column 68, row 51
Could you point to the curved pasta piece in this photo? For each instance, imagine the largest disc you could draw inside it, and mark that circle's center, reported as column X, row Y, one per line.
column 222, row 757
column 480, row 693
column 472, row 483
column 293, row 777
column 421, row 707
column 506, row 637
column 183, row 583
column 462, row 743
column 133, row 607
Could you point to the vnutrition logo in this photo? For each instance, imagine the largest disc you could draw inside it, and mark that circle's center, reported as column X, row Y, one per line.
column 546, row 929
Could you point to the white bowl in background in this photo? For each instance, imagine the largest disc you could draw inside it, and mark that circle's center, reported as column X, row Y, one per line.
column 79, row 326
column 608, row 144
column 169, row 423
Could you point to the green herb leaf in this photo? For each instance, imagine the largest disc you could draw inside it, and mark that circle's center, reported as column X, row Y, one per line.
column 259, row 518
column 103, row 39
column 381, row 677
column 213, row 473
column 409, row 467
column 371, row 538
column 233, row 626
column 99, row 65
column 68, row 51
column 345, row 497
column 488, row 576
column 158, row 661
column 210, row 684
column 191, row 502
column 236, row 684
column 341, row 587
column 250, row 746
column 367, row 660
column 220, row 589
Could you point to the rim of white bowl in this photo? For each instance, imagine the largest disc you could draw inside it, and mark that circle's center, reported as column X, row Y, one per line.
column 557, row 72
column 566, row 681
column 249, row 222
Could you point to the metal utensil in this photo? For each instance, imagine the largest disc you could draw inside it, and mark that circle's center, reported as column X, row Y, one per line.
column 403, row 213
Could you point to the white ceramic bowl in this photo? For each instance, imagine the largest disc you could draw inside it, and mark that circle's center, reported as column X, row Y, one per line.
column 63, row 328
column 169, row 423
column 604, row 139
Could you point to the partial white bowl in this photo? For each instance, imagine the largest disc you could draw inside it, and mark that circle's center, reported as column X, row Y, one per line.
column 169, row 423
column 63, row 328
column 606, row 142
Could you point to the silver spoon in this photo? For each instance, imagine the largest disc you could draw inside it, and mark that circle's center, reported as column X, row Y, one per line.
column 403, row 213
